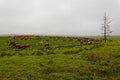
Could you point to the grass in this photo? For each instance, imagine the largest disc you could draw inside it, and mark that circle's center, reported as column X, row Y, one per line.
column 60, row 60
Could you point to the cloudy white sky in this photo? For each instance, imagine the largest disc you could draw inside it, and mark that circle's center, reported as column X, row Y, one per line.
column 58, row 17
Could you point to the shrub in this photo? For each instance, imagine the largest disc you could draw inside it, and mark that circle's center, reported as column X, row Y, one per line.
column 2, row 54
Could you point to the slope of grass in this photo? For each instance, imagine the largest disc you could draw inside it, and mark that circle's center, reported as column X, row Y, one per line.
column 60, row 63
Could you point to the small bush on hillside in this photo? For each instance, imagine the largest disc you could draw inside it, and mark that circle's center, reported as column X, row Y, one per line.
column 107, row 64
column 2, row 54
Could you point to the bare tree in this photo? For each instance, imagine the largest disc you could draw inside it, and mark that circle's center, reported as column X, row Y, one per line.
column 106, row 27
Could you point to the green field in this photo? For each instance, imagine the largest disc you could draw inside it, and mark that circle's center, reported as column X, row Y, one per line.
column 59, row 58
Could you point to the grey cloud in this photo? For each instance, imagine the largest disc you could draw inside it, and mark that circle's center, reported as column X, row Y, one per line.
column 57, row 17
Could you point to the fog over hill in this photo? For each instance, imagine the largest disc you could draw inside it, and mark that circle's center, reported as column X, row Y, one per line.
column 58, row 17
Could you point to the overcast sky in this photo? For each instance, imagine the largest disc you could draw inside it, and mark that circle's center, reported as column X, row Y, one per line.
column 58, row 17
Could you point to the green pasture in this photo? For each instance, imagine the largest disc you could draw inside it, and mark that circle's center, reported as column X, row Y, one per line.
column 63, row 59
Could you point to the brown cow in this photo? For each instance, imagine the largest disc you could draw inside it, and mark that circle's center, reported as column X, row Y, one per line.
column 41, row 43
column 19, row 46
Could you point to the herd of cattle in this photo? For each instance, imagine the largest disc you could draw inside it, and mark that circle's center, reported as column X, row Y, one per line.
column 13, row 40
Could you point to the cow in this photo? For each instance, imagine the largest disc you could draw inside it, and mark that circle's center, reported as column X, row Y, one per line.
column 18, row 45
column 41, row 43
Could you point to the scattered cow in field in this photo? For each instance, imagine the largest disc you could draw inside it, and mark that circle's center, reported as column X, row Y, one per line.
column 22, row 37
column 46, row 44
column 38, row 37
column 18, row 45
column 41, row 43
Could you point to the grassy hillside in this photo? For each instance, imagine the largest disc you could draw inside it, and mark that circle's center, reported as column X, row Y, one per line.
column 59, row 58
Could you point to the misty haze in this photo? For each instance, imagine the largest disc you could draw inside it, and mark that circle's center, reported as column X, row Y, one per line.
column 58, row 17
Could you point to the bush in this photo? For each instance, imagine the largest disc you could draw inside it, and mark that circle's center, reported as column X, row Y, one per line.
column 2, row 54
column 107, row 65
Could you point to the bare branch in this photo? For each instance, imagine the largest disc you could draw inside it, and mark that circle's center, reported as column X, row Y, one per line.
column 106, row 26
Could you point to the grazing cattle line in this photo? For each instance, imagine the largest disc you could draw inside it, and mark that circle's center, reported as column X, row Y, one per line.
column 53, row 42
